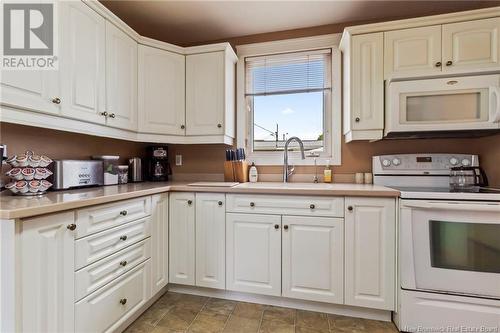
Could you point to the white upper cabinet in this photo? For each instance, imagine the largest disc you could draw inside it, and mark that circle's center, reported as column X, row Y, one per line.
column 472, row 45
column 313, row 258
column 182, row 238
column 82, row 62
column 31, row 90
column 209, row 95
column 211, row 240
column 161, row 91
column 412, row 52
column 370, row 252
column 253, row 253
column 121, row 79
column 364, row 87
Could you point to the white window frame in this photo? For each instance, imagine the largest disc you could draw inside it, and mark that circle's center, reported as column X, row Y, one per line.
column 333, row 107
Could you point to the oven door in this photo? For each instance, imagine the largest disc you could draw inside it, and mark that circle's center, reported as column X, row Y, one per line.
column 444, row 104
column 450, row 247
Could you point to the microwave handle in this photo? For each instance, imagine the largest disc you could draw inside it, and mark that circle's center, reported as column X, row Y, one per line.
column 495, row 104
column 455, row 206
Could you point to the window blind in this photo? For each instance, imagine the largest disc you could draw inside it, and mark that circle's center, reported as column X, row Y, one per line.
column 288, row 73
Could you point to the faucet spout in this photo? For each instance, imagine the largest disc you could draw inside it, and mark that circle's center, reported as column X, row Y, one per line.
column 287, row 170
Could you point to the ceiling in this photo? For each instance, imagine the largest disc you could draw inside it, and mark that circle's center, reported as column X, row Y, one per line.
column 194, row 22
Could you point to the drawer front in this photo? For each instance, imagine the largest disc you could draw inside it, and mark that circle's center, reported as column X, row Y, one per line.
column 102, row 217
column 103, row 311
column 286, row 205
column 97, row 246
column 106, row 270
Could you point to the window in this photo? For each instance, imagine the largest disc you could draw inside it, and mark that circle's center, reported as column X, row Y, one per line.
column 287, row 95
column 290, row 88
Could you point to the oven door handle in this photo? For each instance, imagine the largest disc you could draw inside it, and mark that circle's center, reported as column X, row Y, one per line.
column 455, row 206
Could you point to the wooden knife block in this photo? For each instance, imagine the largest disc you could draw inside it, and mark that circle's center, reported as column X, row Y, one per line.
column 236, row 171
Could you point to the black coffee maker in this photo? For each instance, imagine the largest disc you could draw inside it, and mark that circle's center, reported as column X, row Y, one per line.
column 158, row 167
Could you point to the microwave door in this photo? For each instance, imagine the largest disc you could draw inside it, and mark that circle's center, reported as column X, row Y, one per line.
column 448, row 104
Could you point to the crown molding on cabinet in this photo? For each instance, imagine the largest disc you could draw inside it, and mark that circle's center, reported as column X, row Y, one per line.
column 469, row 15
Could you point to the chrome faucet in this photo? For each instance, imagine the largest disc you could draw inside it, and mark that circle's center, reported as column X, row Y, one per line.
column 288, row 170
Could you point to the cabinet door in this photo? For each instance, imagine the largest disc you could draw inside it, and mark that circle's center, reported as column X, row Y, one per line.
column 370, row 251
column 159, row 241
column 121, row 79
column 161, row 91
column 472, row 45
column 32, row 90
column 313, row 258
column 182, row 238
column 367, row 96
column 210, row 240
column 412, row 52
column 82, row 62
column 205, row 93
column 253, row 253
column 47, row 273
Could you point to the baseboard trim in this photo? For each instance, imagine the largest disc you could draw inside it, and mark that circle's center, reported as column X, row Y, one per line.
column 339, row 309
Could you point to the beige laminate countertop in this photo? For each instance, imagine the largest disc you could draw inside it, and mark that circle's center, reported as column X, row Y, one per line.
column 14, row 207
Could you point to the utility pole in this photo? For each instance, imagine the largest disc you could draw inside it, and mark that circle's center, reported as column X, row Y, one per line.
column 276, row 135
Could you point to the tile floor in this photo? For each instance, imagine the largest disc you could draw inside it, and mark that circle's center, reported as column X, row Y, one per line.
column 175, row 312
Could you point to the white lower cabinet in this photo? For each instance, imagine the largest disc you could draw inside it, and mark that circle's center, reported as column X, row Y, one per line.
column 253, row 253
column 313, row 258
column 370, row 252
column 182, row 239
column 47, row 274
column 107, row 308
column 210, row 240
column 159, row 241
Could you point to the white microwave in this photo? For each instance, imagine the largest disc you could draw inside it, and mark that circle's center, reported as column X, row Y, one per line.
column 443, row 105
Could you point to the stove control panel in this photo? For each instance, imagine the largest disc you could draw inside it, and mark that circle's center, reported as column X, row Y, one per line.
column 421, row 163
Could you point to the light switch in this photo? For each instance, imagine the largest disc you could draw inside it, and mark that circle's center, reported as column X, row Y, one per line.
column 178, row 160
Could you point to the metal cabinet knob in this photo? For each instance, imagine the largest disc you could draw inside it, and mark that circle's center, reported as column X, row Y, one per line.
column 190, row 202
column 105, row 114
column 71, row 226
column 112, row 115
column 123, row 238
column 312, row 206
column 183, row 127
column 349, row 208
column 252, row 204
column 220, row 203
column 357, row 119
column 123, row 213
column 123, row 263
column 438, row 64
column 276, row 226
column 56, row 100
column 449, row 63
column 219, row 125
column 123, row 301
column 285, row 227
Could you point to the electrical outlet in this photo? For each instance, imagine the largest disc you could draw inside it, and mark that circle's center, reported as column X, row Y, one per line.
column 178, row 160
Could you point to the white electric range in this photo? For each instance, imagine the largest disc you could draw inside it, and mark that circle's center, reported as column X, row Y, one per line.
column 449, row 245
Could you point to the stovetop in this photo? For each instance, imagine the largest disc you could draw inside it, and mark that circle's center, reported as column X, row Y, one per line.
column 445, row 193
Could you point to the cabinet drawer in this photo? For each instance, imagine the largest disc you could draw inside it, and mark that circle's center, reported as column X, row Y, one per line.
column 97, row 246
column 286, row 204
column 105, row 270
column 102, row 217
column 103, row 311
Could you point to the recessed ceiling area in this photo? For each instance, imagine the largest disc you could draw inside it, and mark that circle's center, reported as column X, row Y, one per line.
column 194, row 22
